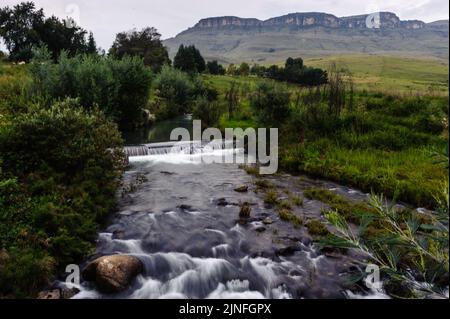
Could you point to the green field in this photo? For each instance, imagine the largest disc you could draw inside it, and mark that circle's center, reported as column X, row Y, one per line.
column 391, row 73
column 387, row 74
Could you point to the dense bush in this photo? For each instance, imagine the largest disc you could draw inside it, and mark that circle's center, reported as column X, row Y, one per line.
column 209, row 112
column 294, row 71
column 60, row 169
column 271, row 103
column 177, row 91
column 174, row 89
column 120, row 88
column 213, row 67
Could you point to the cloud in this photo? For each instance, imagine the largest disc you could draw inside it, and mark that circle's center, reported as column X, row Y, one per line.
column 108, row 17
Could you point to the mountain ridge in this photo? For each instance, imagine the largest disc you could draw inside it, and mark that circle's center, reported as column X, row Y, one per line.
column 232, row 39
column 386, row 19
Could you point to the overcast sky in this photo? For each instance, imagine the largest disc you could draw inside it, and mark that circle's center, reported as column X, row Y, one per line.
column 108, row 17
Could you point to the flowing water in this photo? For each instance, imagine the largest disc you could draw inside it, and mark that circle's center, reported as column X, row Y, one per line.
column 182, row 223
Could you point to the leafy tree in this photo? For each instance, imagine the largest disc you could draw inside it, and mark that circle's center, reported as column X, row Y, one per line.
column 189, row 59
column 232, row 98
column 145, row 44
column 232, row 70
column 18, row 28
column 244, row 69
column 213, row 67
column 174, row 89
column 274, row 72
column 295, row 71
column 91, row 45
column 58, row 37
column 258, row 70
column 23, row 28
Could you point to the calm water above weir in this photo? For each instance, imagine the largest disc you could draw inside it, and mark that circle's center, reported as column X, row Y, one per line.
column 182, row 222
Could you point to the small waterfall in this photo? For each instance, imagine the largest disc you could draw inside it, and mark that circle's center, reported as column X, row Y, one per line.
column 132, row 151
column 191, row 147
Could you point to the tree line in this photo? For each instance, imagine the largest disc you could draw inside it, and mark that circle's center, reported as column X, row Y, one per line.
column 25, row 28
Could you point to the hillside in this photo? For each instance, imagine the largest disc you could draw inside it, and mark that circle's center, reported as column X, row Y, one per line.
column 233, row 39
column 390, row 73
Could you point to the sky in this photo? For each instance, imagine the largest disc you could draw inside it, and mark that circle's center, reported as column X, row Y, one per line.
column 105, row 18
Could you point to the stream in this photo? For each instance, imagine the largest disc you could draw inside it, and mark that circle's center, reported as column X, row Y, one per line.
column 182, row 222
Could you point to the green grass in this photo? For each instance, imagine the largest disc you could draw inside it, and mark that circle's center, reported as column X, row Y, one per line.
column 389, row 74
column 349, row 210
column 410, row 175
column 317, row 228
column 392, row 73
column 287, row 215
column 384, row 145
column 271, row 197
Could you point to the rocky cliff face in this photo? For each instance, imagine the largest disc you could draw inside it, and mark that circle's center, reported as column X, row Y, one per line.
column 382, row 20
column 312, row 34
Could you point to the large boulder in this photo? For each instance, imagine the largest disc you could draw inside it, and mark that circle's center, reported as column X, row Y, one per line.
column 113, row 274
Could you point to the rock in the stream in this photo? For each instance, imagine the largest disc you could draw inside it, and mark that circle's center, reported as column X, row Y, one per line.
column 260, row 229
column 245, row 210
column 241, row 189
column 113, row 274
column 50, row 294
column 267, row 221
column 59, row 293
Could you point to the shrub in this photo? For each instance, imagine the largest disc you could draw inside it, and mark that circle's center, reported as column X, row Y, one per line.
column 60, row 170
column 120, row 88
column 175, row 89
column 271, row 103
column 208, row 112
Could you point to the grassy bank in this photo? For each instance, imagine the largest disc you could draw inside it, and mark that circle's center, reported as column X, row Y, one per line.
column 380, row 142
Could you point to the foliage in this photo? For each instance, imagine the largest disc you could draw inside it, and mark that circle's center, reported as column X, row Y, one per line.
column 409, row 250
column 189, row 59
column 214, row 68
column 23, row 28
column 175, row 89
column 294, row 71
column 288, row 216
column 209, row 112
column 59, row 174
column 145, row 44
column 271, row 103
column 317, row 228
column 244, row 69
column 119, row 87
column 271, row 197
column 232, row 98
